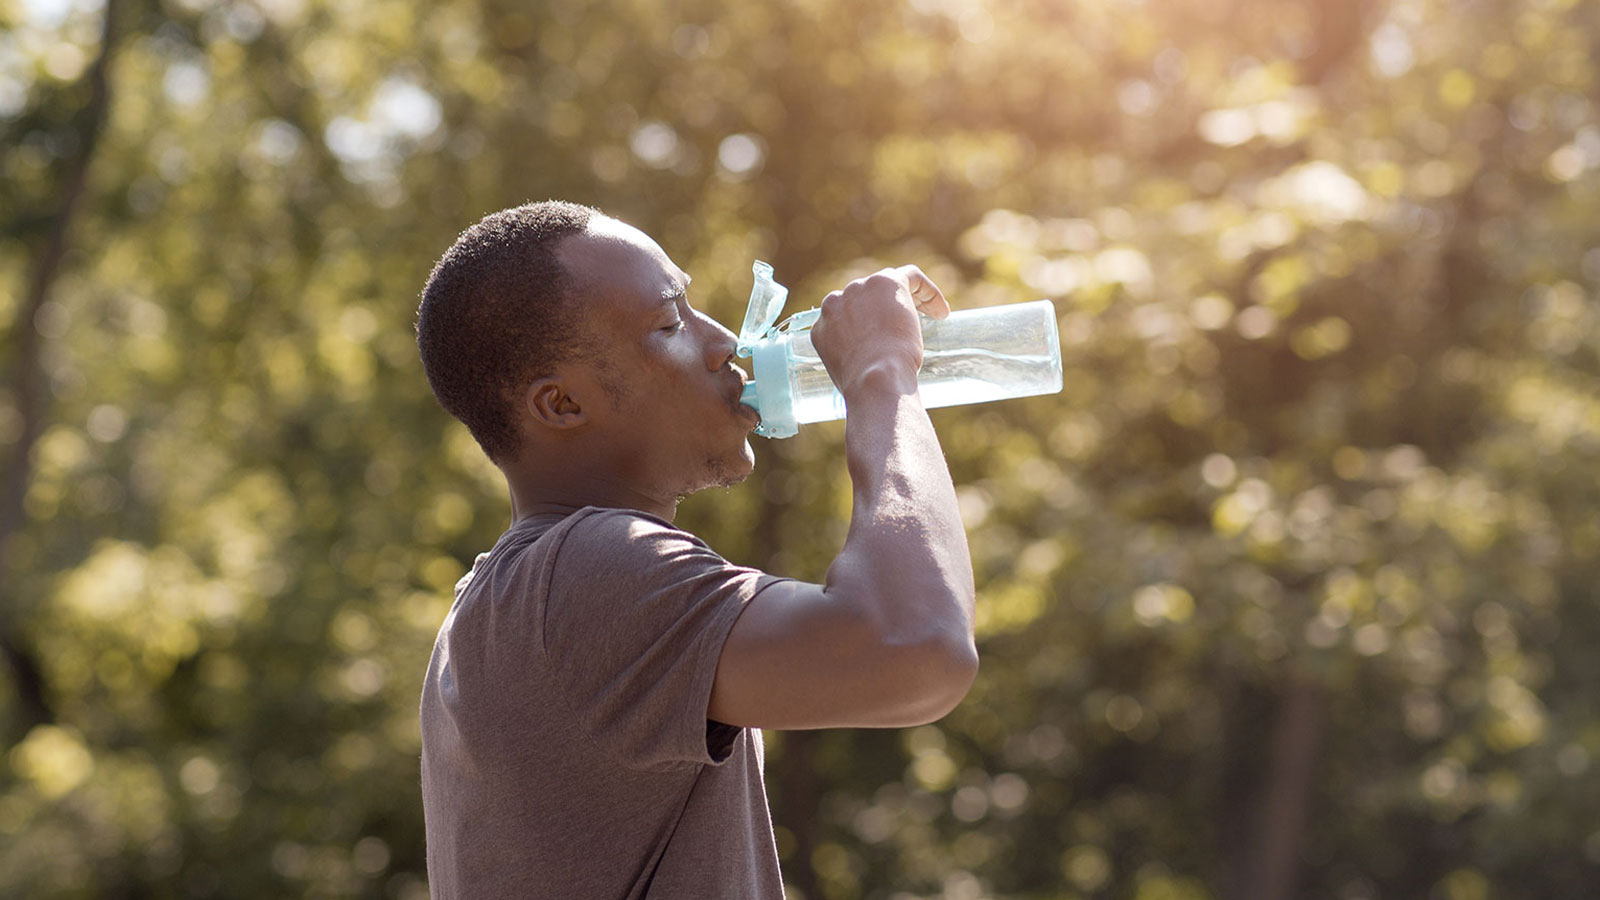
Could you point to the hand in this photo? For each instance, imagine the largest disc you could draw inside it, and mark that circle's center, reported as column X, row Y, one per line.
column 868, row 333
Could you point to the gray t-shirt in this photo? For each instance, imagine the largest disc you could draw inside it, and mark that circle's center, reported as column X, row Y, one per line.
column 566, row 752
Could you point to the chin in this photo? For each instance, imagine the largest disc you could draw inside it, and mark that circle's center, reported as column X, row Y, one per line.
column 729, row 471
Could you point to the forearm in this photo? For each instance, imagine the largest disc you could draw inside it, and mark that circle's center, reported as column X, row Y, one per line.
column 887, row 640
column 905, row 560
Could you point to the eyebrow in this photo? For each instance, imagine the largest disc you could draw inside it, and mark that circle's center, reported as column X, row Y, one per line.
column 676, row 292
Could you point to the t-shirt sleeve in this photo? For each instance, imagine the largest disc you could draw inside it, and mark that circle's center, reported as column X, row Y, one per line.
column 636, row 613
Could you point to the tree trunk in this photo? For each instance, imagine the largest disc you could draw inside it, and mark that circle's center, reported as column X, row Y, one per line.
column 1272, row 862
column 29, row 390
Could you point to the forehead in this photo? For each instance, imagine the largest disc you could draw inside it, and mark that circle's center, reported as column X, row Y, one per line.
column 618, row 269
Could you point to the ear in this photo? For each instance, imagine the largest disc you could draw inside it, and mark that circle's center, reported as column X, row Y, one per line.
column 549, row 403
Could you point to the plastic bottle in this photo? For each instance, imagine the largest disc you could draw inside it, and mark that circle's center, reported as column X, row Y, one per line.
column 975, row 355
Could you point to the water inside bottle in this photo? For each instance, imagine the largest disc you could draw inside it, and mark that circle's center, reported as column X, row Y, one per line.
column 947, row 378
column 815, row 397
column 977, row 375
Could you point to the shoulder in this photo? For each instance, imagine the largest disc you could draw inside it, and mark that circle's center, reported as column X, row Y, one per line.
column 637, row 554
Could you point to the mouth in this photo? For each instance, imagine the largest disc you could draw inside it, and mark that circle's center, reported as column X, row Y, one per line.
column 747, row 413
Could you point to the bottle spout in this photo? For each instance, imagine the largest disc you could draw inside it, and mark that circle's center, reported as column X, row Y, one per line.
column 776, row 422
column 770, row 393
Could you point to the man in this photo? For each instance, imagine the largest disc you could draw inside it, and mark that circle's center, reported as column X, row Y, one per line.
column 590, row 711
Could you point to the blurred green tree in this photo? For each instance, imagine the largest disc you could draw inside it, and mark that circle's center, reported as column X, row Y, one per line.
column 1288, row 594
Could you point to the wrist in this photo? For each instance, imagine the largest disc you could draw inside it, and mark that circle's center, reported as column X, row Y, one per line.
column 880, row 379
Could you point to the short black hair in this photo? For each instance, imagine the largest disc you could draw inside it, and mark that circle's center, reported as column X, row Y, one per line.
column 497, row 313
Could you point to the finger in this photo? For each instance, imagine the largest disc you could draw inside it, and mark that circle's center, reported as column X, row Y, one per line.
column 925, row 294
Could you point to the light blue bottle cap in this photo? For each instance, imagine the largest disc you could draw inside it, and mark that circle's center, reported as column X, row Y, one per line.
column 769, row 392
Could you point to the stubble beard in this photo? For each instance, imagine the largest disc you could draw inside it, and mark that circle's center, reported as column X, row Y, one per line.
column 721, row 472
column 724, row 474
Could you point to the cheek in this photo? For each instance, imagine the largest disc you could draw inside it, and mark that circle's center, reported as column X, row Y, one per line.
column 670, row 354
column 674, row 372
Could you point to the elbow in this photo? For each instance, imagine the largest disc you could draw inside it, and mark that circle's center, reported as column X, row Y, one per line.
column 913, row 668
column 945, row 673
column 960, row 672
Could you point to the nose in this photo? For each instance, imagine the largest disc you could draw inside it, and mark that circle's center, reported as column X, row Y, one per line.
column 720, row 343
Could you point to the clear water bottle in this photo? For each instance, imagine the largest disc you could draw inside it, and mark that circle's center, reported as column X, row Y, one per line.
column 974, row 356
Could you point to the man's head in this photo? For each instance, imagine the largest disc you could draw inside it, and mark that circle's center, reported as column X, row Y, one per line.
column 498, row 312
column 555, row 328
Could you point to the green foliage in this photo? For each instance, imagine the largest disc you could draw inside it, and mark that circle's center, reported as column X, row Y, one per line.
column 1298, row 571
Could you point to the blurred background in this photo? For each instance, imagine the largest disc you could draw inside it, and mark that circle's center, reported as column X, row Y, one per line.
column 1291, row 592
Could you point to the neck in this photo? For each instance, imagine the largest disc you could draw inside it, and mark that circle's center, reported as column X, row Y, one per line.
column 539, row 489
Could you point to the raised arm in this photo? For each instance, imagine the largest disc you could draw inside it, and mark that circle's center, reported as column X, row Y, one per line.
column 887, row 639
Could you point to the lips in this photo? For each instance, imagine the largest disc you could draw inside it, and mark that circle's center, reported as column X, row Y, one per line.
column 745, row 412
